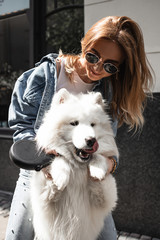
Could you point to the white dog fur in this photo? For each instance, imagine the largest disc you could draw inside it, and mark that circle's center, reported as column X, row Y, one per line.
column 74, row 203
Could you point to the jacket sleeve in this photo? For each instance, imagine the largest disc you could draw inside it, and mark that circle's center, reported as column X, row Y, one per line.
column 25, row 102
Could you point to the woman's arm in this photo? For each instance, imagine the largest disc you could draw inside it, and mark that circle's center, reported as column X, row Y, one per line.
column 25, row 102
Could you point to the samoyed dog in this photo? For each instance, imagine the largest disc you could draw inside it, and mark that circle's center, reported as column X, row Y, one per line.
column 73, row 203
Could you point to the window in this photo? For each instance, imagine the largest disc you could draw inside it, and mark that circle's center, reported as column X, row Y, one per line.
column 64, row 25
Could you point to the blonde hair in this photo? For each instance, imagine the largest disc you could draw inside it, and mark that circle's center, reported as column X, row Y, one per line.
column 133, row 82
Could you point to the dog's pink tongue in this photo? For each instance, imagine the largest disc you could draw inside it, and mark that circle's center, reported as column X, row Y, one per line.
column 94, row 148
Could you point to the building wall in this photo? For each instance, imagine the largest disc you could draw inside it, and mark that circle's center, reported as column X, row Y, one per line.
column 144, row 12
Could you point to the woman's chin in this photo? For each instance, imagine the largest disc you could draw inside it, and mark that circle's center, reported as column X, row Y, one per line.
column 94, row 76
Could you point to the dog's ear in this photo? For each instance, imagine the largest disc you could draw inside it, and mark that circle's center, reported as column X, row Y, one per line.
column 61, row 96
column 98, row 98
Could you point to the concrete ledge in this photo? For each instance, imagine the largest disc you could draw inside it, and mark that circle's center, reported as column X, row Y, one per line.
column 8, row 171
column 6, row 133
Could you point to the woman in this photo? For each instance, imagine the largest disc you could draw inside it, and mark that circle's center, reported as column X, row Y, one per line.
column 112, row 61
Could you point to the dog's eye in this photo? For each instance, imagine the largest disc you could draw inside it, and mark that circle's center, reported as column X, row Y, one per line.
column 75, row 123
column 93, row 124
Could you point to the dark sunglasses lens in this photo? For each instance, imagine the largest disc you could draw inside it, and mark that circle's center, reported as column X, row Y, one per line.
column 91, row 58
column 110, row 68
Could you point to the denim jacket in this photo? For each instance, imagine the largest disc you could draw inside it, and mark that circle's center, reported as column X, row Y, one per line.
column 33, row 94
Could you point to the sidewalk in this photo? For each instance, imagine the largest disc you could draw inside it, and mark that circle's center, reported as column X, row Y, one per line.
column 5, row 202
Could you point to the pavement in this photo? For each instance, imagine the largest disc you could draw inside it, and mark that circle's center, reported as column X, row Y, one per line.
column 5, row 203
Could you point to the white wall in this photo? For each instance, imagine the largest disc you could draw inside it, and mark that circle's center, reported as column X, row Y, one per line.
column 145, row 12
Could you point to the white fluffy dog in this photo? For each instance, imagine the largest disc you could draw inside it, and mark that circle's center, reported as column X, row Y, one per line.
column 74, row 203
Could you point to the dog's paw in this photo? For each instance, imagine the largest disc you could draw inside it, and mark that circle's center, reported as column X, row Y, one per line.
column 98, row 168
column 97, row 173
column 49, row 192
column 60, row 172
column 60, row 180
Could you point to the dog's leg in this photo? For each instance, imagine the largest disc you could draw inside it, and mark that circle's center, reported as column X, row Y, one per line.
column 98, row 167
column 60, row 172
column 103, row 194
column 54, row 186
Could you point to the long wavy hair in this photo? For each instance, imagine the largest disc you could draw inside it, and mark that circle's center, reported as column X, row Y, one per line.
column 132, row 84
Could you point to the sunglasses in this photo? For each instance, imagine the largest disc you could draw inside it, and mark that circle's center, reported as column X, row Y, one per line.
column 94, row 59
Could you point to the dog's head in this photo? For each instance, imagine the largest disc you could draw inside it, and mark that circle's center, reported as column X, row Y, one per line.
column 74, row 124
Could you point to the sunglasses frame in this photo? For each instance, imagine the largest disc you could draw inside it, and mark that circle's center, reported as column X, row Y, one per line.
column 98, row 59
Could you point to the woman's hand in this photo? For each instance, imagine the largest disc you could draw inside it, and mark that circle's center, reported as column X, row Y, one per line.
column 49, row 151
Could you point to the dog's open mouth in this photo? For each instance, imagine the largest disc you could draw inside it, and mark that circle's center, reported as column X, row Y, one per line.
column 85, row 154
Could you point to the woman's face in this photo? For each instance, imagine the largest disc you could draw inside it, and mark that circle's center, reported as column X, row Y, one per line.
column 107, row 52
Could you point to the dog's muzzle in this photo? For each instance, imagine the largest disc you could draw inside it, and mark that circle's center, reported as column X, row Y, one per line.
column 91, row 147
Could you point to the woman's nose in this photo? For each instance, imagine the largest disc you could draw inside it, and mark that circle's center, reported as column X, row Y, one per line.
column 98, row 67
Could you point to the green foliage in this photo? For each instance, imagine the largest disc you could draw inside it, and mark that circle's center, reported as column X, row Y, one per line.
column 65, row 28
column 8, row 76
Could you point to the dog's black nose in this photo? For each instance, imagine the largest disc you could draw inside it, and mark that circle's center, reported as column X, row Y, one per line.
column 90, row 142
